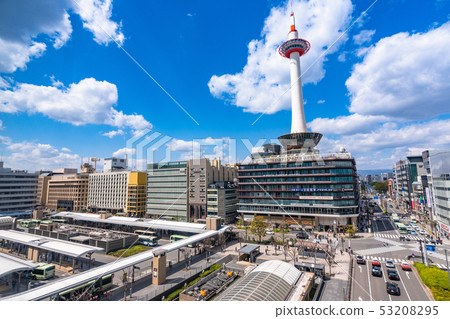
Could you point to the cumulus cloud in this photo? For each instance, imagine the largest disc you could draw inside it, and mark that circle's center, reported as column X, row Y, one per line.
column 1, row 125
column 22, row 21
column 363, row 37
column 124, row 151
column 259, row 87
column 65, row 149
column 36, row 156
column 86, row 102
column 343, row 125
column 112, row 134
column 96, row 16
column 404, row 76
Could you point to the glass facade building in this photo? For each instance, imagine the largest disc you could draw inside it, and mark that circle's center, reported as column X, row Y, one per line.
column 313, row 190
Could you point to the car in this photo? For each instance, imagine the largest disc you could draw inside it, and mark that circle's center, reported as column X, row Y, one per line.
column 421, row 232
column 390, row 264
column 377, row 272
column 405, row 266
column 413, row 232
column 302, row 235
column 376, row 263
column 360, row 260
column 392, row 274
column 392, row 288
column 407, row 238
column 269, row 232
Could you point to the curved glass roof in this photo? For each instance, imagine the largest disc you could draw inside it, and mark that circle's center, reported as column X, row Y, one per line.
column 272, row 281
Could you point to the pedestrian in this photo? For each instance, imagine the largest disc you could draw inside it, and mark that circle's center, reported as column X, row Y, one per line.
column 342, row 252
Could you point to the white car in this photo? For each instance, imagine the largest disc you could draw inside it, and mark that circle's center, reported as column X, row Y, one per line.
column 421, row 232
column 269, row 232
column 390, row 264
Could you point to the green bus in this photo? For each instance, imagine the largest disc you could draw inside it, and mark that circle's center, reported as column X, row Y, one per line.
column 43, row 271
column 59, row 220
column 401, row 228
column 29, row 222
column 174, row 238
column 395, row 218
column 98, row 287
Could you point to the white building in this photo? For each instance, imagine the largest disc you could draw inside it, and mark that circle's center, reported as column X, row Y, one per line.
column 114, row 164
column 108, row 191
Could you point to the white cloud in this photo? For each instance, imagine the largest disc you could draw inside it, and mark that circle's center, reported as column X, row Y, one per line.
column 112, row 134
column 22, row 21
column 65, row 149
column 96, row 16
column 260, row 85
column 320, row 101
column 342, row 57
column 36, row 156
column 1, row 125
column 404, row 76
column 124, row 151
column 363, row 37
column 86, row 102
column 4, row 84
column 343, row 125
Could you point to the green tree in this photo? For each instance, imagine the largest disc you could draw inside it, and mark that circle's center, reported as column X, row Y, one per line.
column 350, row 230
column 381, row 187
column 258, row 227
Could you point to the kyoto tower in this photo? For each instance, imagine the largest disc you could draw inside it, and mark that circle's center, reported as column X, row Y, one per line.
column 299, row 138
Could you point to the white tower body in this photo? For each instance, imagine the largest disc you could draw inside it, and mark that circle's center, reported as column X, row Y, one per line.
column 298, row 112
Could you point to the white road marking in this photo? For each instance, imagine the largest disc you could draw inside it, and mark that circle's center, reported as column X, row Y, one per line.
column 360, row 299
column 389, row 295
column 370, row 287
column 407, row 275
column 404, row 287
column 360, row 268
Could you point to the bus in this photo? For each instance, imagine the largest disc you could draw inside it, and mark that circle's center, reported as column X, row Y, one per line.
column 43, row 271
column 98, row 287
column 413, row 220
column 29, row 222
column 401, row 228
column 151, row 241
column 174, row 238
column 395, row 218
column 145, row 233
column 59, row 220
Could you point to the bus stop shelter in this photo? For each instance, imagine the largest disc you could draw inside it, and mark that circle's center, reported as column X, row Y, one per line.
column 249, row 253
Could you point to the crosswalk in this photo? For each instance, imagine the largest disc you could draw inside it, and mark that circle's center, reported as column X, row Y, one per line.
column 411, row 237
column 396, row 261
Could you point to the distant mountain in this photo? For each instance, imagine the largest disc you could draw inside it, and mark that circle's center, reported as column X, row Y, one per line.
column 365, row 172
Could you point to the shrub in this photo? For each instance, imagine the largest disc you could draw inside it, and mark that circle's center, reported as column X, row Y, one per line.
column 127, row 252
column 436, row 279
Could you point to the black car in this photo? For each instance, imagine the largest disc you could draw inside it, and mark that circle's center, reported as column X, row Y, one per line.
column 392, row 288
column 392, row 274
column 360, row 260
column 377, row 272
column 302, row 235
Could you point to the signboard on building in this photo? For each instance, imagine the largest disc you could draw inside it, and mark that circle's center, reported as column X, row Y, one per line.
column 444, row 227
column 311, row 189
column 317, row 197
column 307, row 221
column 428, row 197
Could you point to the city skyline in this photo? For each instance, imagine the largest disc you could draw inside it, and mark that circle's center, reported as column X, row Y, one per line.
column 68, row 91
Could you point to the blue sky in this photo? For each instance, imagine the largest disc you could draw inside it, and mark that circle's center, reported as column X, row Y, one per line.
column 68, row 91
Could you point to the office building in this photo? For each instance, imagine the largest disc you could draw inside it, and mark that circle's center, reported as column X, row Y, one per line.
column 437, row 165
column 137, row 194
column 167, row 190
column 18, row 190
column 222, row 201
column 67, row 192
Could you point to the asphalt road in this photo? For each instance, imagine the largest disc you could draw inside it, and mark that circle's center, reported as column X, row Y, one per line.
column 367, row 287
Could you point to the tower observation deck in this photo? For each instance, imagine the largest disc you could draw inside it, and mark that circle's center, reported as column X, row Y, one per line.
column 299, row 138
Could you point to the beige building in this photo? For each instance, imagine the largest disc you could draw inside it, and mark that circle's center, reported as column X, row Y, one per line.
column 202, row 173
column 68, row 192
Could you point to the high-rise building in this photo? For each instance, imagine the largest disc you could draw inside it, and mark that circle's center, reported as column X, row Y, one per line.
column 297, row 185
column 178, row 190
column 18, row 190
column 408, row 182
column 222, row 201
column 167, row 190
column 67, row 192
column 117, row 191
column 437, row 165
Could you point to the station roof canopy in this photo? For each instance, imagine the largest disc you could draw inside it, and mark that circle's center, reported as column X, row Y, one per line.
column 248, row 249
column 10, row 264
column 63, row 247
column 272, row 281
column 138, row 222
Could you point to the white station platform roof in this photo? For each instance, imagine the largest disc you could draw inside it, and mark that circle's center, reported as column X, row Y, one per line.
column 66, row 248
column 10, row 264
column 137, row 222
column 55, row 287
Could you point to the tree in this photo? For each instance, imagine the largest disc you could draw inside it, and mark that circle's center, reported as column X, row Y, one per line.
column 258, row 227
column 240, row 223
column 381, row 187
column 350, row 230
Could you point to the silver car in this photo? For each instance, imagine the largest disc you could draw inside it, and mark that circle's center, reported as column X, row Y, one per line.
column 390, row 264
